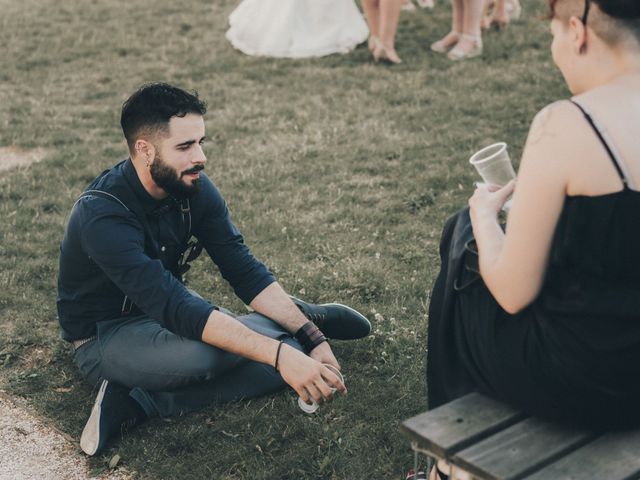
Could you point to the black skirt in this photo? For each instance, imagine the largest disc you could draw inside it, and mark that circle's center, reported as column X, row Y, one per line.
column 474, row 345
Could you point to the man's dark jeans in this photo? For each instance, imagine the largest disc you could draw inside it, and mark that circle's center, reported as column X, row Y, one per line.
column 169, row 374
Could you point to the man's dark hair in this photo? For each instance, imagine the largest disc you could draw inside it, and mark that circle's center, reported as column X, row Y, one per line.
column 152, row 106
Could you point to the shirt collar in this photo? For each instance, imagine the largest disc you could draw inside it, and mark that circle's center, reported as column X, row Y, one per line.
column 149, row 204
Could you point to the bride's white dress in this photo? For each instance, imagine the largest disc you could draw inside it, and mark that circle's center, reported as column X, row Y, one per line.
column 296, row 28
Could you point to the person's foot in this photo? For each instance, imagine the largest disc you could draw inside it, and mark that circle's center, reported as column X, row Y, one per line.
column 469, row 46
column 426, row 3
column 113, row 412
column 335, row 320
column 386, row 53
column 371, row 42
column 514, row 9
column 446, row 42
column 408, row 6
column 499, row 21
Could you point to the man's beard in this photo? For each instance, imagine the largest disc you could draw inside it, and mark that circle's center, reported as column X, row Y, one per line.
column 169, row 180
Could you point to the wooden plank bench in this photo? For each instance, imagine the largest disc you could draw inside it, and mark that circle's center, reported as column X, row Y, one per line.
column 485, row 439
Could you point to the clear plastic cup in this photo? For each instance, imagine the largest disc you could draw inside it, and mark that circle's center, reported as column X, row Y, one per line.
column 493, row 164
column 313, row 406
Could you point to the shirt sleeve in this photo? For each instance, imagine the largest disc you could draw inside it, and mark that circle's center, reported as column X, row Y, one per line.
column 225, row 245
column 115, row 242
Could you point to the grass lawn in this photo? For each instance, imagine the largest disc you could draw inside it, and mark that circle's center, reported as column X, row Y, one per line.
column 339, row 172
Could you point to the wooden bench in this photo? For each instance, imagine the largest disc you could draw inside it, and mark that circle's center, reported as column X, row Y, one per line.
column 484, row 439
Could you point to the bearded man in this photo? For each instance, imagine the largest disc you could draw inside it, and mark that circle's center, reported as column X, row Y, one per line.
column 153, row 346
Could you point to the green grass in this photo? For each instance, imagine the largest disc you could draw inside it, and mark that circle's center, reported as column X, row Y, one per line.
column 339, row 172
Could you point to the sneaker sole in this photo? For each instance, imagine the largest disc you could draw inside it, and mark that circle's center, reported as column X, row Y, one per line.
column 90, row 438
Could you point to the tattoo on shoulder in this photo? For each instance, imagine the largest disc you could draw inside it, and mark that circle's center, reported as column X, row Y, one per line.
column 540, row 127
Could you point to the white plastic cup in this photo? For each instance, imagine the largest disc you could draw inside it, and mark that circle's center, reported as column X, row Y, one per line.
column 308, row 407
column 313, row 406
column 493, row 164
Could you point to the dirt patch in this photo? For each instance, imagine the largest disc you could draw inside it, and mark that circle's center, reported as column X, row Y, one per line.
column 36, row 357
column 11, row 157
column 29, row 448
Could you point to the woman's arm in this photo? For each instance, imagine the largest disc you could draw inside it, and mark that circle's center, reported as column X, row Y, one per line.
column 513, row 264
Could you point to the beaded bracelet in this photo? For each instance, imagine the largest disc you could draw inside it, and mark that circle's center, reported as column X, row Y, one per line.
column 309, row 336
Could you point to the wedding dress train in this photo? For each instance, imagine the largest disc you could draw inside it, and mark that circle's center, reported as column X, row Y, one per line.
column 296, row 28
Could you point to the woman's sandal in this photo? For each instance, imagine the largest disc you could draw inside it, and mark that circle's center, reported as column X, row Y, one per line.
column 458, row 53
column 425, row 3
column 514, row 9
column 408, row 6
column 447, row 42
column 385, row 53
column 371, row 43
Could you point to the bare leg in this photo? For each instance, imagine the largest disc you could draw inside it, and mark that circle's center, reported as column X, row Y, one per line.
column 457, row 15
column 499, row 18
column 389, row 16
column 470, row 44
column 472, row 16
column 451, row 38
column 372, row 13
column 485, row 23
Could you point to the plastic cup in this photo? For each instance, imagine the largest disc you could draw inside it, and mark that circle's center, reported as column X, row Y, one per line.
column 313, row 406
column 493, row 164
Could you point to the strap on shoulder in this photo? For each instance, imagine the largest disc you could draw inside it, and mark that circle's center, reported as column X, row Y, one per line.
column 127, row 303
column 103, row 194
column 614, row 160
column 185, row 208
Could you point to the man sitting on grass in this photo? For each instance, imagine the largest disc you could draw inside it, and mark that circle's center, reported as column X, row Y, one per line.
column 155, row 347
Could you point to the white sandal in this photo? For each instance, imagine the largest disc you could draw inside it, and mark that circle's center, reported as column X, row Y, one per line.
column 426, row 3
column 408, row 6
column 458, row 53
column 441, row 47
column 514, row 9
column 372, row 42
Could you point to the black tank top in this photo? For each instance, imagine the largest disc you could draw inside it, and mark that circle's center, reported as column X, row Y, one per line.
column 590, row 299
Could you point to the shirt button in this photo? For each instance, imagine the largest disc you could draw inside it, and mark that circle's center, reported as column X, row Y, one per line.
column 163, row 248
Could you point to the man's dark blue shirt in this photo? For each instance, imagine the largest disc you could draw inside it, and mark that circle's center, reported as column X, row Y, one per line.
column 109, row 253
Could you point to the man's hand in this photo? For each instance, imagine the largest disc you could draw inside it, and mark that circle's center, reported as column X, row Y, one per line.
column 307, row 376
column 323, row 354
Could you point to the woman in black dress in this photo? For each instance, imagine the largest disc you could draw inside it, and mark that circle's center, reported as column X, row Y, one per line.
column 551, row 323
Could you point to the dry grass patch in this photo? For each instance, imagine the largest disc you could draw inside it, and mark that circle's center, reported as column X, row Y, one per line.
column 34, row 357
column 11, row 157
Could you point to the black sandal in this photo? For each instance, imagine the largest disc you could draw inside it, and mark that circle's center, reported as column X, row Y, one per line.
column 441, row 475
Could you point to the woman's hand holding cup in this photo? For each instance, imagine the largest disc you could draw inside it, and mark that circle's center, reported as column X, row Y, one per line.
column 489, row 199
